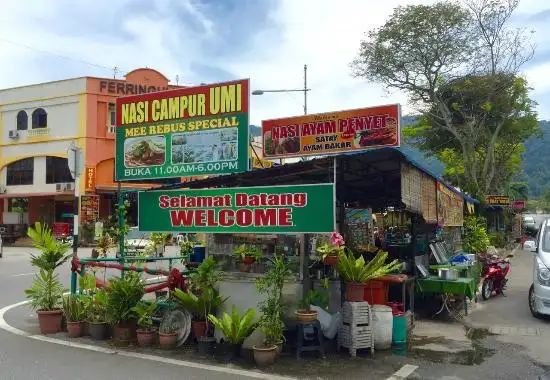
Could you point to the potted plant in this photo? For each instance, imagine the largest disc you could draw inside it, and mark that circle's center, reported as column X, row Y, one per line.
column 53, row 252
column 246, row 255
column 75, row 308
column 46, row 295
column 331, row 251
column 168, row 332
column 272, row 326
column 186, row 249
column 146, row 331
column 159, row 239
column 270, row 287
column 123, row 295
column 97, row 315
column 202, row 297
column 305, row 313
column 356, row 272
column 235, row 329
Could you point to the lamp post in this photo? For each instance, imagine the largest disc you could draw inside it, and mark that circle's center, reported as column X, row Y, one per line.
column 304, row 90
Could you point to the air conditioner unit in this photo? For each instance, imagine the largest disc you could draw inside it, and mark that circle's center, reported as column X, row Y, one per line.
column 14, row 134
column 58, row 187
column 111, row 129
column 69, row 187
column 3, row 189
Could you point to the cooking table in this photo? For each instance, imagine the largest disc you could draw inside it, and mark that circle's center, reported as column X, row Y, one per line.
column 462, row 287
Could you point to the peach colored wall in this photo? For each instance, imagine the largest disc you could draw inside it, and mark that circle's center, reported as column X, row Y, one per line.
column 100, row 145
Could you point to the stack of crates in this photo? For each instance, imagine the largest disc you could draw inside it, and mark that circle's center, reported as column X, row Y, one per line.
column 356, row 331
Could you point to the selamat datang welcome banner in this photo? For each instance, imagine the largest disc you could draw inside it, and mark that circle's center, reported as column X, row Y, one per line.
column 274, row 209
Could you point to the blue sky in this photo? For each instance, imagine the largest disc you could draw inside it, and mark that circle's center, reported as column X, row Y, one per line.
column 267, row 41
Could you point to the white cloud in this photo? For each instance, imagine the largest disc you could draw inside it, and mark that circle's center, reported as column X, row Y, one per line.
column 323, row 34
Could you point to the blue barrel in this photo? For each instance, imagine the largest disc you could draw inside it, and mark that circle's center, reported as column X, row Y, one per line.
column 399, row 332
column 199, row 254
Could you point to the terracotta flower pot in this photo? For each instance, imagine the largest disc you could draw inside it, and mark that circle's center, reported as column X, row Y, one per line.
column 75, row 329
column 199, row 329
column 145, row 337
column 305, row 315
column 265, row 355
column 249, row 260
column 331, row 260
column 168, row 340
column 355, row 291
column 124, row 333
column 50, row 321
column 244, row 267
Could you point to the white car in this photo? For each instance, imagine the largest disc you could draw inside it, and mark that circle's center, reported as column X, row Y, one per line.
column 539, row 293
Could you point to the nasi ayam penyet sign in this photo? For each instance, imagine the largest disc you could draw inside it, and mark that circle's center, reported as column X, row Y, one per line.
column 274, row 209
column 185, row 132
column 332, row 132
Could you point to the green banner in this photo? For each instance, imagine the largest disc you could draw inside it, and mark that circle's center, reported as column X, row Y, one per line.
column 190, row 131
column 274, row 209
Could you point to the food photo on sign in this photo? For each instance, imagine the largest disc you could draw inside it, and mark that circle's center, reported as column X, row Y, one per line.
column 333, row 132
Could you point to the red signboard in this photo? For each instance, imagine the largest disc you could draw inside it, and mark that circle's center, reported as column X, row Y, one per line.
column 61, row 229
column 518, row 205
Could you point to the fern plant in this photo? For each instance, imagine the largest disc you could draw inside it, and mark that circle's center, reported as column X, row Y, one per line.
column 124, row 294
column 234, row 327
column 53, row 252
column 46, row 292
column 357, row 270
column 208, row 301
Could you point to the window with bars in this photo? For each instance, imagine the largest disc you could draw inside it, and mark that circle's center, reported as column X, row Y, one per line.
column 20, row 172
column 57, row 170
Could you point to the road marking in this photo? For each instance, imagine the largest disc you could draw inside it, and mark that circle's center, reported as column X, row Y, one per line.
column 4, row 325
column 22, row 274
column 405, row 371
column 182, row 363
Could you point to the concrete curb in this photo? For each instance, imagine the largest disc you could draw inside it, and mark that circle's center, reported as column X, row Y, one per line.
column 159, row 359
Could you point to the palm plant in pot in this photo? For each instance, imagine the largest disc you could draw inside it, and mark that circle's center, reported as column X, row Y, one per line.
column 53, row 252
column 97, row 315
column 202, row 298
column 145, row 332
column 123, row 295
column 75, row 308
column 235, row 329
column 46, row 295
column 356, row 272
column 246, row 255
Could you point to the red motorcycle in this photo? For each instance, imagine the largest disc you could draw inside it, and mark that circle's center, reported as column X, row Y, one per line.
column 494, row 272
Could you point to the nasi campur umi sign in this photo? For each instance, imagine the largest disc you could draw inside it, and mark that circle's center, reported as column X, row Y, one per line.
column 185, row 132
column 332, row 132
column 274, row 209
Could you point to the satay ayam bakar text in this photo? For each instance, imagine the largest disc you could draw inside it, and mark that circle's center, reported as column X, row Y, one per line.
column 239, row 209
column 220, row 100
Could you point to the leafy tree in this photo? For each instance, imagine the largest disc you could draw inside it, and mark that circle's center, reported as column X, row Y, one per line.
column 459, row 65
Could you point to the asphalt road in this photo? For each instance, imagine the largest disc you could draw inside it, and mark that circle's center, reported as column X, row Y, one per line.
column 22, row 358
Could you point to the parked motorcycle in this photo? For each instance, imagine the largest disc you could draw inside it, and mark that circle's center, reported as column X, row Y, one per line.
column 494, row 273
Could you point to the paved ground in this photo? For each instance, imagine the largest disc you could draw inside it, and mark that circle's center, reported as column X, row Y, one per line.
column 439, row 350
column 509, row 316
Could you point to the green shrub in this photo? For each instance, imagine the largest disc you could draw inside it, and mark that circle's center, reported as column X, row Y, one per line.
column 497, row 239
column 475, row 239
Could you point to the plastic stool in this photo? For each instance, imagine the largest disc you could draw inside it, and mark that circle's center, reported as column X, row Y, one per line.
column 318, row 341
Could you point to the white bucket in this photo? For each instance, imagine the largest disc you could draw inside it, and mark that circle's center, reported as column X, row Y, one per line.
column 382, row 321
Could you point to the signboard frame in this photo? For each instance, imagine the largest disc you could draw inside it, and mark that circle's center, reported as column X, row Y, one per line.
column 497, row 200
column 330, row 126
column 149, row 127
column 241, row 229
